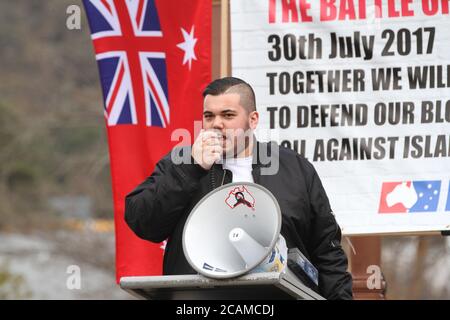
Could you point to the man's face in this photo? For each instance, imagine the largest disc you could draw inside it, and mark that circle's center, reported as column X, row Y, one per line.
column 225, row 114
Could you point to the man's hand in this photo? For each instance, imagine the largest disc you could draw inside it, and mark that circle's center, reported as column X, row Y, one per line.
column 207, row 148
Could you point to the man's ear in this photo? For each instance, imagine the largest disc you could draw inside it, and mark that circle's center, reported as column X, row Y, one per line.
column 253, row 119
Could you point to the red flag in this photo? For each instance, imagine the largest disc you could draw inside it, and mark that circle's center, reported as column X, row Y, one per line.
column 154, row 58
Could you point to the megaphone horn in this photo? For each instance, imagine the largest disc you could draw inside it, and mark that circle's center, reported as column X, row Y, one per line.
column 231, row 230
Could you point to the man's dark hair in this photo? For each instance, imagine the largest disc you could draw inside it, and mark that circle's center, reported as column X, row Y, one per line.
column 233, row 85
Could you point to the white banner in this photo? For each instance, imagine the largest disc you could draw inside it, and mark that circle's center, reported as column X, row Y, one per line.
column 362, row 90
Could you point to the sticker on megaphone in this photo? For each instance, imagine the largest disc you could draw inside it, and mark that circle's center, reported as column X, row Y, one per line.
column 251, row 251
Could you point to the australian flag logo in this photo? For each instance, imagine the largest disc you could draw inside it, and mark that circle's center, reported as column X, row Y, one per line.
column 410, row 196
column 447, row 206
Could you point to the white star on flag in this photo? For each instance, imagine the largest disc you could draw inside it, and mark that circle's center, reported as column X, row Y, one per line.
column 188, row 46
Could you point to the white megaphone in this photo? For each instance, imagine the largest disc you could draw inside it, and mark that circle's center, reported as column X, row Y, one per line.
column 234, row 229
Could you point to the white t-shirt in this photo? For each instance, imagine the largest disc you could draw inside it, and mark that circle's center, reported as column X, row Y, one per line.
column 240, row 167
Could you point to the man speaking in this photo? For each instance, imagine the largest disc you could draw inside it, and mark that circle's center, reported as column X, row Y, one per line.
column 226, row 151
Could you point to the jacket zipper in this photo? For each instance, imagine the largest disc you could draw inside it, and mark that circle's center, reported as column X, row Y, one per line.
column 213, row 179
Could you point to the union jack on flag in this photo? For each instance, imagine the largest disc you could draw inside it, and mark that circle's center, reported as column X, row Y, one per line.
column 129, row 49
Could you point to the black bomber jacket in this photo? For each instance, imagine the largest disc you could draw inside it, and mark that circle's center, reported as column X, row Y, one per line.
column 158, row 208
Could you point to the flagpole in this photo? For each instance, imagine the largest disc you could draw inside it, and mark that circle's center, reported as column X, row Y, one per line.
column 224, row 45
